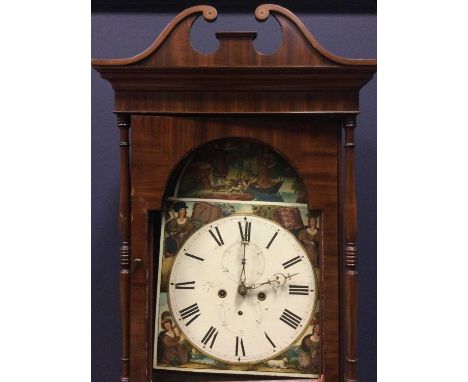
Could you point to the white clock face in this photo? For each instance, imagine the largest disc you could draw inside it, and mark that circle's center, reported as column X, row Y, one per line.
column 242, row 289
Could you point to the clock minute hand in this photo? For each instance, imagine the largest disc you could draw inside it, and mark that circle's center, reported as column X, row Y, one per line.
column 242, row 276
column 242, row 288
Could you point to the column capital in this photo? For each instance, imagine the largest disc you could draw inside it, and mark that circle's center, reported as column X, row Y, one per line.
column 123, row 120
column 349, row 121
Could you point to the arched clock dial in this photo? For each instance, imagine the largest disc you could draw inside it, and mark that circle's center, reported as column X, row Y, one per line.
column 242, row 289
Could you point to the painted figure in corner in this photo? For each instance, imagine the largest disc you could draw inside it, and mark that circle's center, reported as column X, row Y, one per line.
column 179, row 229
column 170, row 349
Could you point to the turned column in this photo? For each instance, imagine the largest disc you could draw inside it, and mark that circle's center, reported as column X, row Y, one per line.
column 123, row 123
column 350, row 283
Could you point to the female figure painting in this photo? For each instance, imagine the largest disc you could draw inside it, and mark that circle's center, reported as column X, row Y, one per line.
column 310, row 238
column 309, row 355
column 178, row 228
column 170, row 350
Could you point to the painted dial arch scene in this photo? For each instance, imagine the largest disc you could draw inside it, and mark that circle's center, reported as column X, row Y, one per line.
column 242, row 289
column 239, row 264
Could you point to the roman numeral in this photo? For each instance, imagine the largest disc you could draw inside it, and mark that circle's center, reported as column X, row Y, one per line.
column 185, row 285
column 291, row 319
column 271, row 241
column 191, row 310
column 193, row 256
column 299, row 289
column 245, row 234
column 217, row 237
column 269, row 339
column 241, row 343
column 291, row 262
column 208, row 335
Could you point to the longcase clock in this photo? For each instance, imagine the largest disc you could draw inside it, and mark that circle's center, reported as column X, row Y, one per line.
column 237, row 206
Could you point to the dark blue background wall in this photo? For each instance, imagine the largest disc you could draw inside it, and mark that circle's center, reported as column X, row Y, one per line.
column 116, row 35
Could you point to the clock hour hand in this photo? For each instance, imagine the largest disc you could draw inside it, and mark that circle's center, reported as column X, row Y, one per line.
column 277, row 280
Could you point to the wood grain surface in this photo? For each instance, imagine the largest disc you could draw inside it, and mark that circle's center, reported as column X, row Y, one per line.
column 311, row 145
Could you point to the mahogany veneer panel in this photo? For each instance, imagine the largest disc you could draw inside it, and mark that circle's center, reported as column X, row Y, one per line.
column 158, row 143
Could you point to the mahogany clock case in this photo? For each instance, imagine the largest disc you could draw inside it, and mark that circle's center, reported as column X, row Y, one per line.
column 111, row 39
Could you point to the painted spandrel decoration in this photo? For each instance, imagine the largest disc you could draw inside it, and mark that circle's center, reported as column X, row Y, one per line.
column 241, row 181
column 235, row 169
